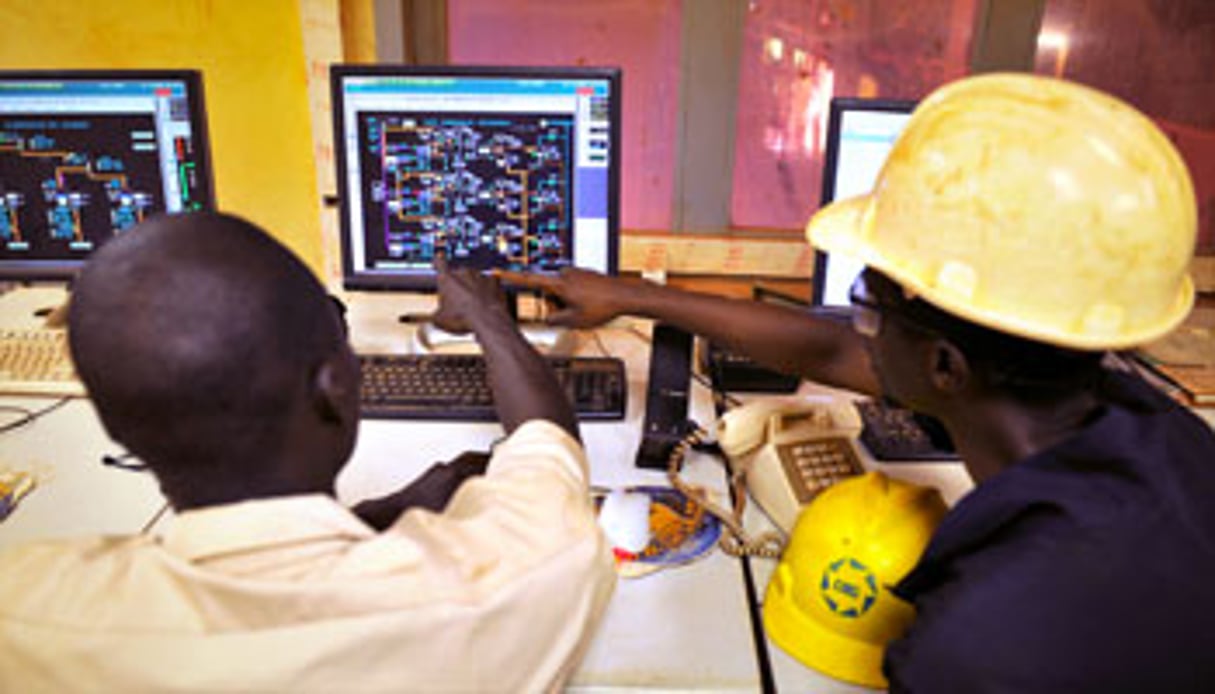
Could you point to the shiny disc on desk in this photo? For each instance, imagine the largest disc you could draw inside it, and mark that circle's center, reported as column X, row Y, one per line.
column 681, row 531
column 14, row 485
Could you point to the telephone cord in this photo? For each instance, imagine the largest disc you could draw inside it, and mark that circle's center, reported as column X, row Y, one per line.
column 734, row 541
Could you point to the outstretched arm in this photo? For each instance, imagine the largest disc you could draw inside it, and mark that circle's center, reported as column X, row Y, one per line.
column 523, row 384
column 779, row 337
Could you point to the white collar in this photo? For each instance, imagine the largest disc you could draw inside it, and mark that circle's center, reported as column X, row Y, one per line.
column 248, row 525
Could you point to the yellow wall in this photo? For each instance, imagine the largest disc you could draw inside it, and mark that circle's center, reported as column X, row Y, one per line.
column 251, row 56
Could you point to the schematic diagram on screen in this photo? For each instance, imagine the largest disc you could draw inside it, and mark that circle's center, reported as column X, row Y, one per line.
column 492, row 190
column 76, row 180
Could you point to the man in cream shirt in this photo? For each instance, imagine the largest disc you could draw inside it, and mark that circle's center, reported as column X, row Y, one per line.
column 214, row 355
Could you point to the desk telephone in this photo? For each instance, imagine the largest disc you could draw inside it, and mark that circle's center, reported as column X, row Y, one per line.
column 787, row 449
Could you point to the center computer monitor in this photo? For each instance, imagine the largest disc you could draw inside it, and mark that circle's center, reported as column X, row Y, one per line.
column 86, row 155
column 500, row 167
column 860, row 134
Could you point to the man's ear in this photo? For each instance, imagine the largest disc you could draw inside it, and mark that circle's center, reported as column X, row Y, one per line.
column 949, row 369
column 332, row 389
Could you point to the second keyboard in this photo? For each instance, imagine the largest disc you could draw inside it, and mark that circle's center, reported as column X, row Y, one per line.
column 36, row 362
column 455, row 386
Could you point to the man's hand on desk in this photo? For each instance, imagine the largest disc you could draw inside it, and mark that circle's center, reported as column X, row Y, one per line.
column 431, row 491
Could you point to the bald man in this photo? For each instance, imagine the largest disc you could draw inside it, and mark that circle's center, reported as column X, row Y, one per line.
column 215, row 356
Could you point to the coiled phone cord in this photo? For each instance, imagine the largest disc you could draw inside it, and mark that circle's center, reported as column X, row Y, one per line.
column 734, row 541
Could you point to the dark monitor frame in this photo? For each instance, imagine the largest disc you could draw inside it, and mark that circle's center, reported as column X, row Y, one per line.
column 840, row 106
column 66, row 269
column 353, row 279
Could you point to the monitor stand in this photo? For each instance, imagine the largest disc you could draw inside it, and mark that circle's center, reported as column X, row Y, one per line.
column 547, row 339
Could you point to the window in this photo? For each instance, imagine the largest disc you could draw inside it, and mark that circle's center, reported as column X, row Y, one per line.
column 796, row 55
column 762, row 98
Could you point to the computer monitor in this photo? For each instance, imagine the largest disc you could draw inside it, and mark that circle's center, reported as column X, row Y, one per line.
column 860, row 134
column 503, row 167
column 86, row 155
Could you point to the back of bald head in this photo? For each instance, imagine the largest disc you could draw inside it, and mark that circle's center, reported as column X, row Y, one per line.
column 195, row 335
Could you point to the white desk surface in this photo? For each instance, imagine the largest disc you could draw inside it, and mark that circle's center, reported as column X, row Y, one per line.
column 684, row 628
column 681, row 629
column 75, row 492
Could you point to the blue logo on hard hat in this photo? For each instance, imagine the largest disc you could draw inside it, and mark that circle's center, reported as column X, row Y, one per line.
column 848, row 587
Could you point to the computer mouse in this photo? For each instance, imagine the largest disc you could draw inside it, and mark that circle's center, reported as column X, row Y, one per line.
column 625, row 519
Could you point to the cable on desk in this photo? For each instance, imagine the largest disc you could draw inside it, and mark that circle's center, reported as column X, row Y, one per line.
column 722, row 399
column 603, row 350
column 638, row 334
column 734, row 541
column 28, row 416
column 120, row 462
column 152, row 522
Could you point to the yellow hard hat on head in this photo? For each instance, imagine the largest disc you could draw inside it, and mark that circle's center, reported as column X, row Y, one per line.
column 1034, row 206
column 829, row 603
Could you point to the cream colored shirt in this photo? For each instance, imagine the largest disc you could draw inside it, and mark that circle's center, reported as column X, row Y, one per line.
column 500, row 593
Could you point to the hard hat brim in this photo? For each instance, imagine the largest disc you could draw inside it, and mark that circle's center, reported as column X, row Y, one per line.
column 820, row 648
column 838, row 228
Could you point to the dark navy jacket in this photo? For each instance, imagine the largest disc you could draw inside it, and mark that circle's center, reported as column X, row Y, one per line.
column 1087, row 567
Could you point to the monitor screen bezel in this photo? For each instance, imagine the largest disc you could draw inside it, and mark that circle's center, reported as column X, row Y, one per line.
column 353, row 280
column 840, row 106
column 13, row 270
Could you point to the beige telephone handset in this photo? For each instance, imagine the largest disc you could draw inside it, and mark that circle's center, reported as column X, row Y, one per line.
column 790, row 448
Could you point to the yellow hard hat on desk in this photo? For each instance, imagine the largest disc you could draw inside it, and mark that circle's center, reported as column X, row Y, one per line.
column 829, row 603
column 1034, row 206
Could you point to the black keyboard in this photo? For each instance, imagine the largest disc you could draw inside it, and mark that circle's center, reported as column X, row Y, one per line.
column 456, row 386
column 732, row 372
column 893, row 433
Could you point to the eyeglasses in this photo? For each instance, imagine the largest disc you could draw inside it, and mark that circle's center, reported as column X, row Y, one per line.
column 340, row 307
column 866, row 311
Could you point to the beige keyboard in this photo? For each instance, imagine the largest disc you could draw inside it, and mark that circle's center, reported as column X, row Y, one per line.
column 36, row 362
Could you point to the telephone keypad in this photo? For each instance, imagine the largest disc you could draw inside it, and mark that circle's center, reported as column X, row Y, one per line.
column 815, row 464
